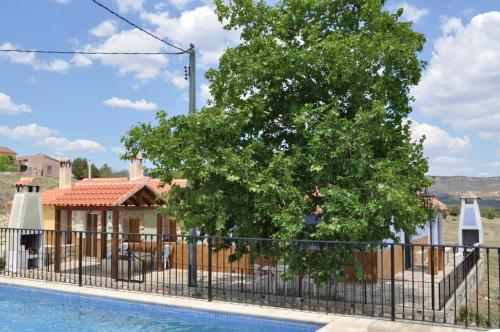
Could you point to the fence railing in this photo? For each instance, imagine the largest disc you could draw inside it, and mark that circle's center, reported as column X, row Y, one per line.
column 444, row 284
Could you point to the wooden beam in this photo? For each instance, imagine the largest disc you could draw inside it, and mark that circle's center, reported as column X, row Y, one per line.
column 151, row 198
column 104, row 235
column 133, row 200
column 114, row 244
column 159, row 243
column 57, row 244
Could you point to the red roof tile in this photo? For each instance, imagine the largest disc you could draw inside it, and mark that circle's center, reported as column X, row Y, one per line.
column 103, row 191
column 440, row 205
column 4, row 149
column 24, row 181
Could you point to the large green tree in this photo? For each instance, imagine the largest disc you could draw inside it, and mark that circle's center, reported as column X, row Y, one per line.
column 308, row 114
column 80, row 169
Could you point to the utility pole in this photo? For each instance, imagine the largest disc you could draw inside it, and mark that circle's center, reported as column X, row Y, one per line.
column 192, row 80
column 192, row 275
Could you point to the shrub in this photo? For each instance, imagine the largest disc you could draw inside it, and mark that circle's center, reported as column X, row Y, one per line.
column 2, row 263
column 471, row 316
column 454, row 210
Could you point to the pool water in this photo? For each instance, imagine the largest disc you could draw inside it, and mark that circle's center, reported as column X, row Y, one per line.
column 29, row 309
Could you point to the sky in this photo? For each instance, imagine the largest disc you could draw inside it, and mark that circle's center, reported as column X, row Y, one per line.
column 80, row 106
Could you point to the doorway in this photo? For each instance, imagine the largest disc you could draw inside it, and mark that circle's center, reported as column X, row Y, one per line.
column 91, row 238
column 134, row 225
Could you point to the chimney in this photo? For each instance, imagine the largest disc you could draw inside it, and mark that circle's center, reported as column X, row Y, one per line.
column 65, row 173
column 136, row 171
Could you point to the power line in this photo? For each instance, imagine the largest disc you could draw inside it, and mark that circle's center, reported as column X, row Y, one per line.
column 138, row 27
column 89, row 52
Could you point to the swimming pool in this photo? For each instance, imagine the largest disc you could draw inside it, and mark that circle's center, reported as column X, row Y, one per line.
column 29, row 309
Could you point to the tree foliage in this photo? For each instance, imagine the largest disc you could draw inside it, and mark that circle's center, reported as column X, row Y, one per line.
column 308, row 114
column 80, row 169
column 105, row 171
column 6, row 164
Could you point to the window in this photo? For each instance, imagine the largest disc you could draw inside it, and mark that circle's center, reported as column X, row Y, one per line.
column 469, row 201
column 49, row 170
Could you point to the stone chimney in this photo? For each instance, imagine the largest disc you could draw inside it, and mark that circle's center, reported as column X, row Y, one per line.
column 65, row 173
column 136, row 168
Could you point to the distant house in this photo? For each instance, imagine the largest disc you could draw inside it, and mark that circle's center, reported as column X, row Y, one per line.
column 5, row 151
column 38, row 165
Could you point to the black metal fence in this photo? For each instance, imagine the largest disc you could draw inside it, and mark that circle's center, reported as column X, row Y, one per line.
column 445, row 284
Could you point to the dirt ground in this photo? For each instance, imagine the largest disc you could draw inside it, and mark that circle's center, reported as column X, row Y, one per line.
column 491, row 237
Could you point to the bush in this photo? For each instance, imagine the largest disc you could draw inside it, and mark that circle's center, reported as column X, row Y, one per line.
column 454, row 210
column 471, row 316
column 7, row 164
column 2, row 263
column 489, row 213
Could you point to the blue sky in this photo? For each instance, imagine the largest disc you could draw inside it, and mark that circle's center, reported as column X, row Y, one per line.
column 81, row 106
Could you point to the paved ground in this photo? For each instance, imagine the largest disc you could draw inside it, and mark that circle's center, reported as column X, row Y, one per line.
column 355, row 324
column 332, row 322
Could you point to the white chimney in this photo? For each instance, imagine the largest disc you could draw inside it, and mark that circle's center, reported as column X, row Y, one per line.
column 65, row 173
column 26, row 215
column 136, row 168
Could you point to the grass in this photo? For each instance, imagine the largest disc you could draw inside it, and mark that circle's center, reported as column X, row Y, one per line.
column 491, row 237
column 7, row 188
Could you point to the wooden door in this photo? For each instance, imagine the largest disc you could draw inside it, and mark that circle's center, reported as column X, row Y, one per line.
column 91, row 238
column 134, row 230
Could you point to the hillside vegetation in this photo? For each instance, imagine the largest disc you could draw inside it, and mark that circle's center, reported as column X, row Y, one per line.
column 7, row 188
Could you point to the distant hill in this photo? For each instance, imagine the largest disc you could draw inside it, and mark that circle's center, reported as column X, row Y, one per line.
column 7, row 188
column 447, row 189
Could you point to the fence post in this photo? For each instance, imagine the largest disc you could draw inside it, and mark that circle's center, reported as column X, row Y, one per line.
column 393, row 295
column 433, row 300
column 80, row 255
column 210, row 268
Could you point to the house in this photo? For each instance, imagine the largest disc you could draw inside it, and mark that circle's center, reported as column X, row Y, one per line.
column 104, row 205
column 38, row 165
column 5, row 151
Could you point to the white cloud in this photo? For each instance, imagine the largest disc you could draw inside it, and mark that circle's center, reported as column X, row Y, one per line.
column 104, row 29
column 438, row 139
column 118, row 149
column 199, row 26
column 451, row 171
column 143, row 67
column 30, row 59
column 63, row 2
column 8, row 107
column 26, row 132
column 129, row 5
column 140, row 105
column 179, row 4
column 412, row 13
column 205, row 93
column 63, row 144
column 43, row 136
column 490, row 135
column 176, row 79
column 495, row 164
column 447, row 160
column 81, row 60
column 462, row 82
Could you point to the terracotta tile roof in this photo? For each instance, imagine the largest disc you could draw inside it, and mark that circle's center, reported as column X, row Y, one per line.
column 4, row 149
column 24, row 181
column 103, row 191
column 440, row 205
